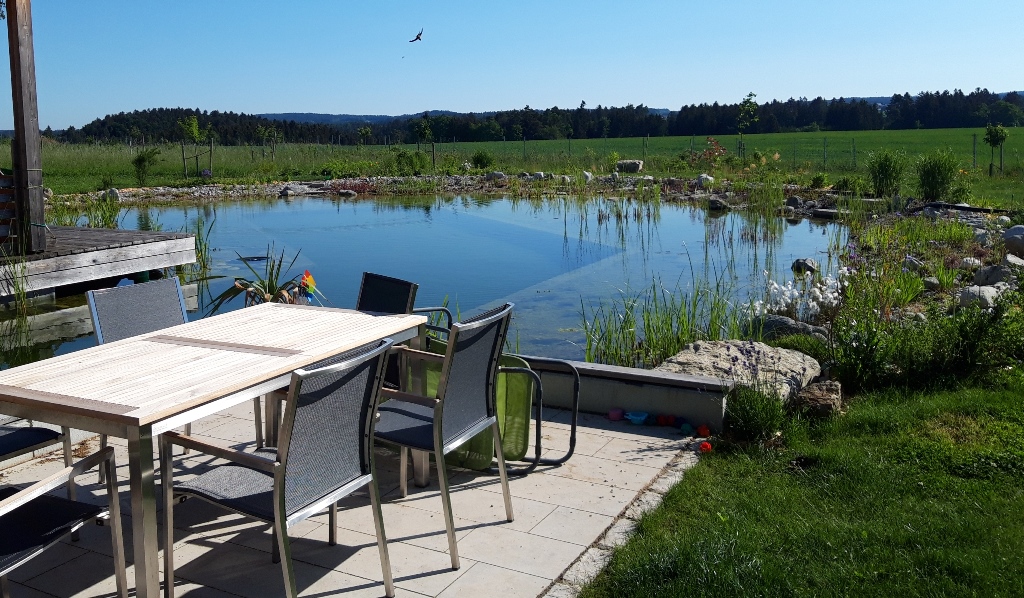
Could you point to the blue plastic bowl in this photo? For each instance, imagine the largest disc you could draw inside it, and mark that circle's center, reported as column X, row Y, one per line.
column 636, row 417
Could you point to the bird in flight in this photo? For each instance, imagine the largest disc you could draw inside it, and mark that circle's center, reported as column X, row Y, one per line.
column 418, row 38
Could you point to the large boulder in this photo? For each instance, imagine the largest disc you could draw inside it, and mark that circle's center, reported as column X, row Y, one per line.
column 111, row 195
column 1013, row 261
column 496, row 176
column 750, row 363
column 819, row 399
column 704, row 181
column 629, row 165
column 715, row 204
column 1014, row 244
column 771, row 326
column 990, row 275
column 588, row 176
column 1016, row 230
column 984, row 297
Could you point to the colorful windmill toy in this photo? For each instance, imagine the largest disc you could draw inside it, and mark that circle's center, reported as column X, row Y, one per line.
column 308, row 285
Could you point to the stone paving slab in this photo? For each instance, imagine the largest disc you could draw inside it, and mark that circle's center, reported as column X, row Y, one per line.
column 568, row 520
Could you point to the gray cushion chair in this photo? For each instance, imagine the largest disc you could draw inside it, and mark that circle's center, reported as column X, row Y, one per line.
column 325, row 453
column 31, row 520
column 122, row 312
column 463, row 407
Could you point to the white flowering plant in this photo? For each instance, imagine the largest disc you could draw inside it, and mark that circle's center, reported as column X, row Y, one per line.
column 805, row 298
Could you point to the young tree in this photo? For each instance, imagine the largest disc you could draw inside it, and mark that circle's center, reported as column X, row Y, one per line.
column 747, row 115
column 995, row 136
column 364, row 134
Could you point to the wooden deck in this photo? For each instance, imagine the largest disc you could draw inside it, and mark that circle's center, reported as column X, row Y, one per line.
column 75, row 255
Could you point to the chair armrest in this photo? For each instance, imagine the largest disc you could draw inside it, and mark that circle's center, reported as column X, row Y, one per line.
column 443, row 310
column 417, row 354
column 241, row 458
column 55, row 480
column 397, row 395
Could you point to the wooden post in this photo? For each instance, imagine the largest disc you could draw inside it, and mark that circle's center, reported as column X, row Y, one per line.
column 184, row 162
column 824, row 153
column 854, row 143
column 211, row 155
column 26, row 155
column 1000, row 159
column 974, row 150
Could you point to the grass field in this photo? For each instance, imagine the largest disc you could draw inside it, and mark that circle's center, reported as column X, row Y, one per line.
column 83, row 168
column 906, row 495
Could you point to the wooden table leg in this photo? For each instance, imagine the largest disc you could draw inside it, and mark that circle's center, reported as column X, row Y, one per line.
column 143, row 496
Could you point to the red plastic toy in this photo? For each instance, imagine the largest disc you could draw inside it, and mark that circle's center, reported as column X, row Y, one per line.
column 705, row 447
column 703, row 430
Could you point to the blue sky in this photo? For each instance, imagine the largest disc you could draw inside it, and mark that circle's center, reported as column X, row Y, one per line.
column 256, row 56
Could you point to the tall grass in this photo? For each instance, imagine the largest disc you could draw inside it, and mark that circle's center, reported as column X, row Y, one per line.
column 642, row 329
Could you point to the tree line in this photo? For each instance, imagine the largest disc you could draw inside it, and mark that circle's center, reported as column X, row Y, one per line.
column 928, row 110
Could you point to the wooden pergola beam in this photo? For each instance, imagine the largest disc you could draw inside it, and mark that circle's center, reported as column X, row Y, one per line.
column 25, row 149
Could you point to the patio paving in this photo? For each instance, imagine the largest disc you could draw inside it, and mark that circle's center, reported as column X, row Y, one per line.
column 567, row 519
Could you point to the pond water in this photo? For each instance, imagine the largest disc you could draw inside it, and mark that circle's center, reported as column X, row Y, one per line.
column 551, row 257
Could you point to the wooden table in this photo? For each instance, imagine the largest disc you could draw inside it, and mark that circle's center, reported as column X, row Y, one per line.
column 139, row 387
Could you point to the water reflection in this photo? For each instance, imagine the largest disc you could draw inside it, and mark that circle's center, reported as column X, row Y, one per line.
column 551, row 255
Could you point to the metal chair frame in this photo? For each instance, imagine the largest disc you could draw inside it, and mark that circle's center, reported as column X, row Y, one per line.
column 282, row 521
column 441, row 446
column 105, row 460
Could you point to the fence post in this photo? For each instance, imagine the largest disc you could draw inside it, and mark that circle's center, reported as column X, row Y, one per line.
column 854, row 142
column 184, row 163
column 824, row 153
column 794, row 154
column 433, row 155
column 1000, row 159
column 211, row 156
column 974, row 150
column 524, row 149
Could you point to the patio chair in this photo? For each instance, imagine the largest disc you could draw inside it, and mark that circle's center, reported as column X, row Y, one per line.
column 377, row 294
column 462, row 406
column 19, row 440
column 325, row 454
column 384, row 294
column 32, row 520
column 131, row 310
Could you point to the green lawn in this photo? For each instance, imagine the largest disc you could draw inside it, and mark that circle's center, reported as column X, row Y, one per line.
column 82, row 168
column 906, row 495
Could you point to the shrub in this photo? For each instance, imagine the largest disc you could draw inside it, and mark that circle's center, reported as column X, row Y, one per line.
column 936, row 173
column 852, row 184
column 753, row 414
column 819, row 181
column 142, row 162
column 482, row 159
column 886, row 169
column 410, row 163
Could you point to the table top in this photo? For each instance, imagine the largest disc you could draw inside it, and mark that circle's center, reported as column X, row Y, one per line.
column 143, row 379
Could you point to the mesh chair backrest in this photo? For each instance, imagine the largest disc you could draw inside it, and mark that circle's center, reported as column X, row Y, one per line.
column 385, row 294
column 7, row 419
column 467, row 381
column 327, row 428
column 121, row 312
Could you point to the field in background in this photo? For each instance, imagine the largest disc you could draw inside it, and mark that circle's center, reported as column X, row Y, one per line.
column 82, row 168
